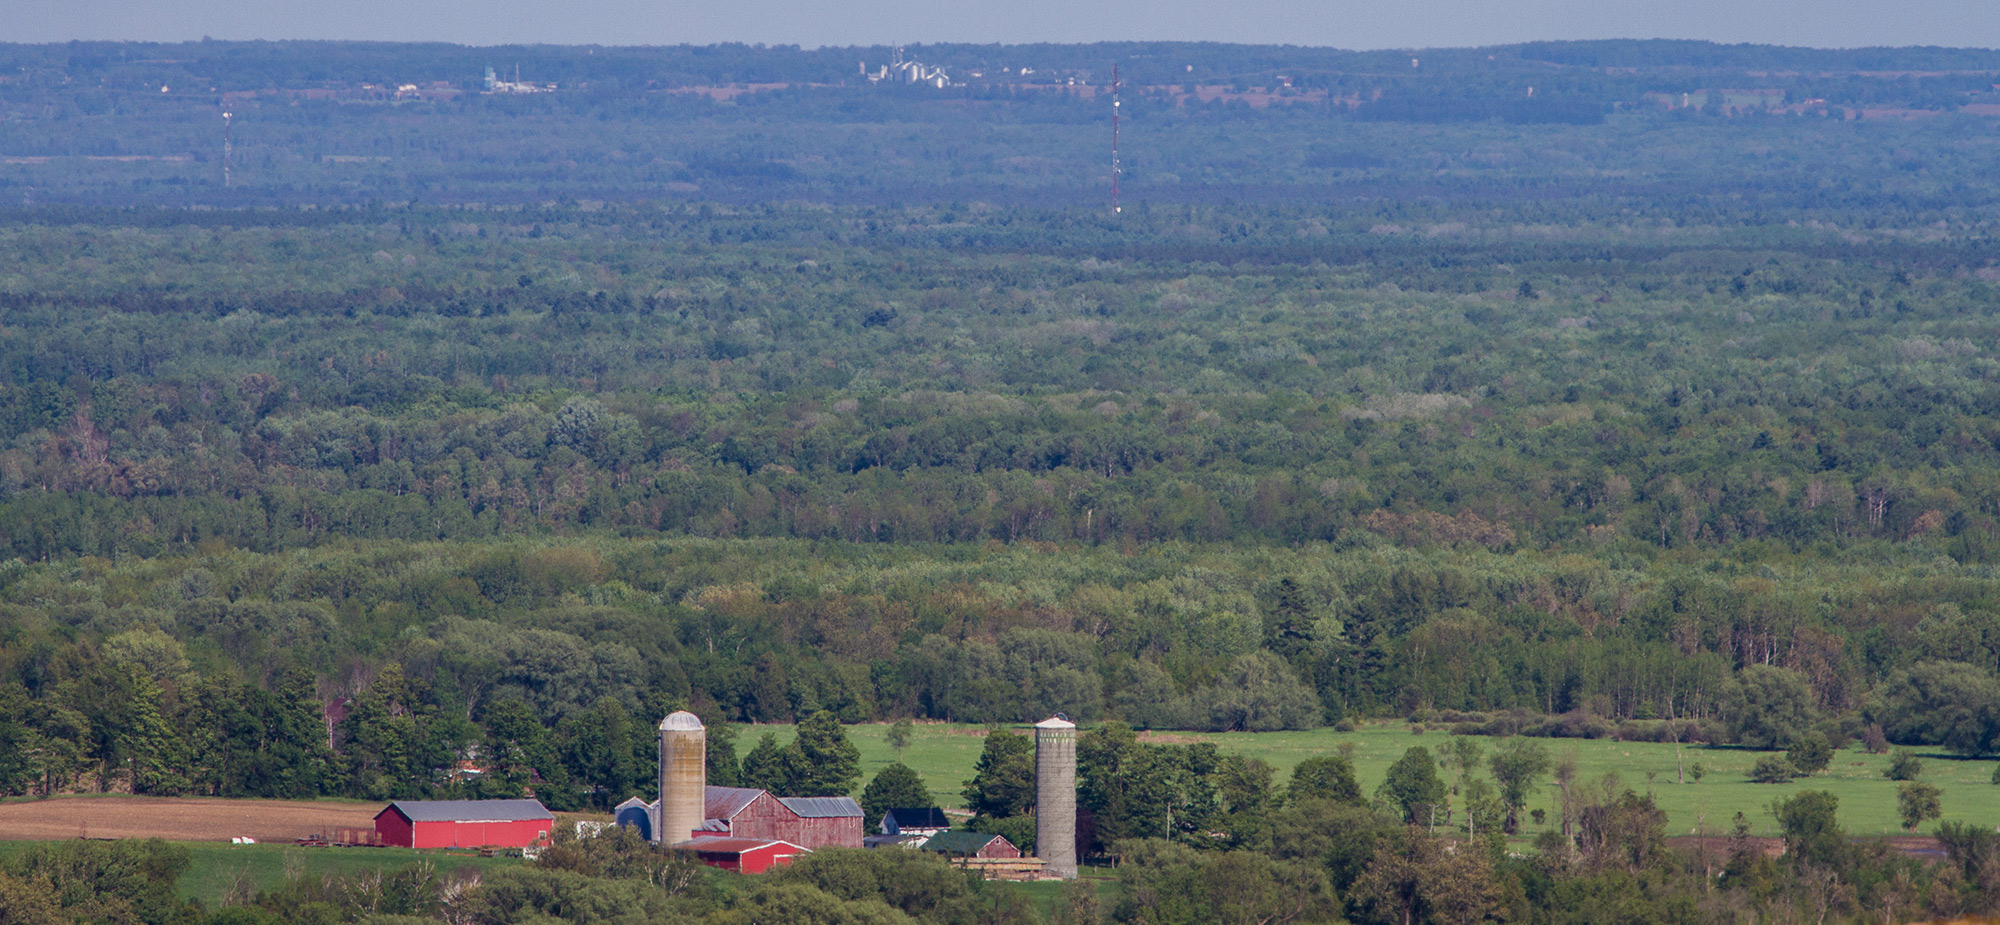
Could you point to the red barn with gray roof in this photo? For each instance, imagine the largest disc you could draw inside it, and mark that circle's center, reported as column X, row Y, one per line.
column 464, row 823
column 824, row 822
column 743, row 855
column 811, row 822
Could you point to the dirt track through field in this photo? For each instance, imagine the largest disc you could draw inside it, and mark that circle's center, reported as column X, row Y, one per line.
column 178, row 819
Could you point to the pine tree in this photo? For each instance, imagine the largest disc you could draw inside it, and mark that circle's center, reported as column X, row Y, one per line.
column 764, row 767
column 1003, row 782
column 821, row 762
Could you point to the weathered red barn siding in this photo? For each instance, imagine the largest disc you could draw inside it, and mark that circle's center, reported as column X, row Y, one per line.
column 998, row 848
column 766, row 818
column 824, row 832
column 394, row 829
column 519, row 834
column 739, row 812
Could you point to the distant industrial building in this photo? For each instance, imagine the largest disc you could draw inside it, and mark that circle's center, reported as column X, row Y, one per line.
column 493, row 84
column 464, row 823
column 908, row 71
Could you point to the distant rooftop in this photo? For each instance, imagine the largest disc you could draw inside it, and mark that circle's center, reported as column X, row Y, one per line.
column 822, row 807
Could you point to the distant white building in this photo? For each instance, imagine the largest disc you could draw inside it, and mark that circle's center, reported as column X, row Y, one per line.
column 494, row 84
column 902, row 70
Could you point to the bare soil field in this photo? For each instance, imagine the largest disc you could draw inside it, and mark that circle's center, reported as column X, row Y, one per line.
column 178, row 818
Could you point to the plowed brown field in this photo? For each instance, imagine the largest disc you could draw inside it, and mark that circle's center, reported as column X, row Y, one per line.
column 178, row 818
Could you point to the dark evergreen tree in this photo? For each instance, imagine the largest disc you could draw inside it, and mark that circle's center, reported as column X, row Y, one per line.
column 893, row 787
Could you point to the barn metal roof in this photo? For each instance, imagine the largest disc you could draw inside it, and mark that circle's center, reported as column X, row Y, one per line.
column 470, row 810
column 822, row 807
column 726, row 802
column 722, row 844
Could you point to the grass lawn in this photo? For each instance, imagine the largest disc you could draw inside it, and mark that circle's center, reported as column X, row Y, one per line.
column 944, row 754
column 217, row 867
column 1046, row 893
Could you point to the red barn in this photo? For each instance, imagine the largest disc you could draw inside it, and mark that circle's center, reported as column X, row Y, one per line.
column 742, row 812
column 824, row 822
column 743, row 855
column 811, row 822
column 464, row 823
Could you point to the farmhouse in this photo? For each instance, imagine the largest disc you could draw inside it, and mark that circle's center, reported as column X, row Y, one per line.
column 464, row 823
column 928, row 820
column 743, row 855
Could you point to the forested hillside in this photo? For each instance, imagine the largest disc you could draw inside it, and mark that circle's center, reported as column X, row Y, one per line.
column 499, row 426
column 768, row 461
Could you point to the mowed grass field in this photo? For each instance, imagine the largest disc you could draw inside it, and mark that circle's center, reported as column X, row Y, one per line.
column 944, row 754
column 216, row 871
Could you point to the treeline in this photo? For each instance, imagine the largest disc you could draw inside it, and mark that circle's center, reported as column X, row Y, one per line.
column 1207, row 841
column 374, row 670
column 1631, row 399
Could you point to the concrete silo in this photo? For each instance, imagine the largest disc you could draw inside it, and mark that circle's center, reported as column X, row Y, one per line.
column 683, row 777
column 1055, row 796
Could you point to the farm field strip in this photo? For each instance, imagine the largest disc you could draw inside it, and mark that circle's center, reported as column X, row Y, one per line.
column 198, row 819
column 944, row 754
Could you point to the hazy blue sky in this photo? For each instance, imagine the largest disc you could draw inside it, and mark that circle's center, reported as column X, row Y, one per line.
column 1339, row 23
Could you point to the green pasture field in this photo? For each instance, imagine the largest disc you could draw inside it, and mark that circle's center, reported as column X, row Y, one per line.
column 944, row 754
column 216, row 869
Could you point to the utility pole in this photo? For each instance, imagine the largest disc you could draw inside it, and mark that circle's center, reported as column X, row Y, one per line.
column 1116, row 167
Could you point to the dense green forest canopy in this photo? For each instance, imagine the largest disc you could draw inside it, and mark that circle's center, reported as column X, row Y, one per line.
column 1460, row 465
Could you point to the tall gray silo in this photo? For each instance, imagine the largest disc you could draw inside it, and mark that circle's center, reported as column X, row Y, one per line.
column 1055, row 796
column 683, row 777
